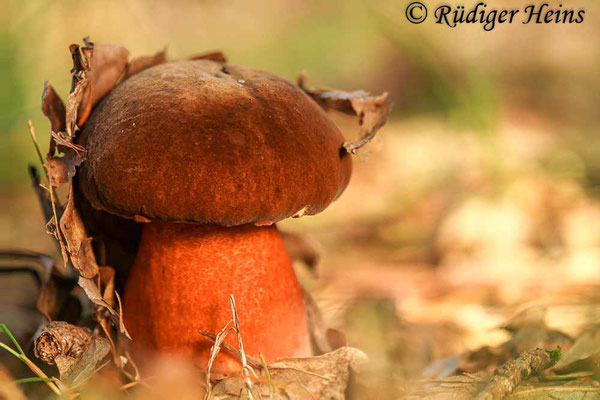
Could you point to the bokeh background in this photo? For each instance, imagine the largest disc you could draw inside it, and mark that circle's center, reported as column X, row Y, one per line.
column 479, row 199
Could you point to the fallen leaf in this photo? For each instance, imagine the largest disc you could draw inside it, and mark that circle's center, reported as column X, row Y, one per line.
column 53, row 108
column 61, row 169
column 321, row 377
column 107, row 66
column 76, row 372
column 78, row 243
column 107, row 281
column 61, row 338
column 372, row 111
column 213, row 56
column 79, row 90
column 90, row 287
column 141, row 63
column 336, row 339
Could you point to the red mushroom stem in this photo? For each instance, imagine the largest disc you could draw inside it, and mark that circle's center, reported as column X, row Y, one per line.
column 180, row 284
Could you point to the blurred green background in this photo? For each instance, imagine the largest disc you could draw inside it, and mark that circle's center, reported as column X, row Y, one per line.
column 488, row 172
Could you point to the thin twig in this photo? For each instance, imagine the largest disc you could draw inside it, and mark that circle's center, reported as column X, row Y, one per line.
column 59, row 237
column 138, row 376
column 245, row 367
column 510, row 374
column 251, row 361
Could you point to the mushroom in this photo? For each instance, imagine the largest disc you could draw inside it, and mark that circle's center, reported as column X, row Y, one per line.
column 209, row 156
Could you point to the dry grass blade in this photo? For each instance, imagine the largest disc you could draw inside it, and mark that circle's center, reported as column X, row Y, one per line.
column 214, row 350
column 268, row 376
column 35, row 143
column 251, row 361
column 245, row 368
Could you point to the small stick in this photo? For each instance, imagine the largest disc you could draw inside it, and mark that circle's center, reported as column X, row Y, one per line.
column 245, row 367
column 510, row 374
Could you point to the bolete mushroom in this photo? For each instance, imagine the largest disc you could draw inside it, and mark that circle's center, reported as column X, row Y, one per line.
column 210, row 156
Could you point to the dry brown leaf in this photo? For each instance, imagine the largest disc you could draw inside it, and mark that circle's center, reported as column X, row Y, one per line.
column 79, row 89
column 65, row 144
column 96, row 71
column 372, row 111
column 78, row 370
column 320, row 377
column 107, row 281
column 63, row 363
column 53, row 108
column 336, row 339
column 139, row 64
column 61, row 169
column 90, row 287
column 213, row 56
column 61, row 338
column 78, row 243
column 107, row 66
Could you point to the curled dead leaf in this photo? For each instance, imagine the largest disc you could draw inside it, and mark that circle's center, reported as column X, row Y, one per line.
column 372, row 111
column 78, row 244
column 90, row 287
column 61, row 169
column 53, row 108
column 79, row 89
column 60, row 338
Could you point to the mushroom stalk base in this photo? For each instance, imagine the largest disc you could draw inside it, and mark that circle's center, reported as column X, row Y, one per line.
column 180, row 284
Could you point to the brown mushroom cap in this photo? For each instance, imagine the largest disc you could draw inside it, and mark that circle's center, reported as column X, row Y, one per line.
column 211, row 143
